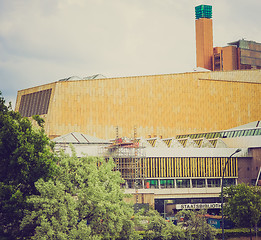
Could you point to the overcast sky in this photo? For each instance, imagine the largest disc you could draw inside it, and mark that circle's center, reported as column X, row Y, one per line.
column 42, row 41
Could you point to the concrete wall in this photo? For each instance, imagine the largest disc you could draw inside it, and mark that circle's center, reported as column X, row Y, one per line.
column 248, row 168
column 162, row 105
column 149, row 195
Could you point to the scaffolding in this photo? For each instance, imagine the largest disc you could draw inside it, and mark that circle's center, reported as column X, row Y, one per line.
column 127, row 154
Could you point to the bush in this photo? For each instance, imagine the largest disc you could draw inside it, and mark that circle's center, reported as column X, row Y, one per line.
column 156, row 227
column 236, row 232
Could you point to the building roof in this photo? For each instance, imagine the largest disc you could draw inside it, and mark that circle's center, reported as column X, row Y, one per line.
column 255, row 124
column 222, row 145
column 242, row 43
column 79, row 138
column 75, row 78
column 193, row 152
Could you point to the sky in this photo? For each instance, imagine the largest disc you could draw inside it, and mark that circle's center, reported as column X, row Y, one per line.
column 42, row 41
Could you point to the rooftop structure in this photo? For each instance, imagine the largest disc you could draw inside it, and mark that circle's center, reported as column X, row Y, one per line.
column 203, row 11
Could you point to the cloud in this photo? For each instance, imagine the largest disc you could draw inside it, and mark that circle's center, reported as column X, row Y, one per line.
column 43, row 41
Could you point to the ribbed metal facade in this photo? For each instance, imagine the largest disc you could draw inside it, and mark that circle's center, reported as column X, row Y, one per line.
column 161, row 105
column 177, row 167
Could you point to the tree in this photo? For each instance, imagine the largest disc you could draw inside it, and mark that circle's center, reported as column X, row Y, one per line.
column 83, row 199
column 243, row 205
column 157, row 228
column 25, row 156
column 195, row 225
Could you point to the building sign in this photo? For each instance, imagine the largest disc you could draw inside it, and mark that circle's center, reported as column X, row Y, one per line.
column 214, row 222
column 198, row 205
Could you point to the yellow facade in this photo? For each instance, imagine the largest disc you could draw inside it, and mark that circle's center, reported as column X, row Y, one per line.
column 160, row 105
column 176, row 167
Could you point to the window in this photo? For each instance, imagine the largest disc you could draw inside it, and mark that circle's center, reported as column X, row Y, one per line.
column 252, row 132
column 248, row 133
column 183, row 183
column 138, row 183
column 229, row 182
column 230, row 134
column 208, row 135
column 153, row 183
column 129, row 183
column 168, row 183
column 216, row 135
column 213, row 182
column 258, row 132
column 196, row 200
column 236, row 133
column 241, row 133
column 224, row 134
column 36, row 103
column 198, row 183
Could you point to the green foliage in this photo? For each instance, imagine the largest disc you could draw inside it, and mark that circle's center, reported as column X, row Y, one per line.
column 243, row 205
column 83, row 199
column 195, row 225
column 156, row 227
column 236, row 233
column 40, row 121
column 25, row 157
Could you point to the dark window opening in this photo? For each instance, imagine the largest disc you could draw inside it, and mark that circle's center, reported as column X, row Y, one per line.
column 36, row 103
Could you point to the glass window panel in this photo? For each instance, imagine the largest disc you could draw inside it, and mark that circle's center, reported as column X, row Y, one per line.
column 236, row 133
column 229, row 182
column 240, row 133
column 213, row 182
column 183, row 183
column 224, row 134
column 153, row 183
column 163, row 183
column 252, row 132
column 247, row 133
column 198, row 183
column 169, row 183
column 230, row 134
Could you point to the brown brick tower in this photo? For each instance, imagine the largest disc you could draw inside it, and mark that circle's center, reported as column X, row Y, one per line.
column 204, row 36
